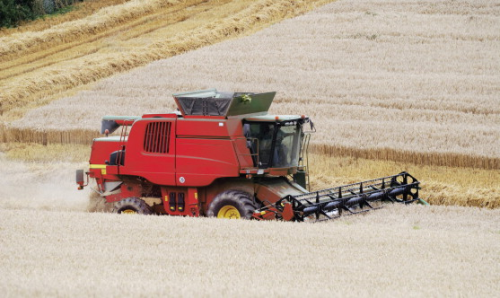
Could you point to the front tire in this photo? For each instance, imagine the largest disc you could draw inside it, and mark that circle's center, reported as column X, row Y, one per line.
column 132, row 205
column 232, row 204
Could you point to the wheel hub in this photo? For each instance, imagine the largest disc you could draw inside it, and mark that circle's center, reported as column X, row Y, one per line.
column 129, row 211
column 229, row 211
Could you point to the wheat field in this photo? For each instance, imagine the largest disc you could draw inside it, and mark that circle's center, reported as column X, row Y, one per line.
column 378, row 78
column 391, row 86
column 399, row 251
column 50, row 246
column 415, row 83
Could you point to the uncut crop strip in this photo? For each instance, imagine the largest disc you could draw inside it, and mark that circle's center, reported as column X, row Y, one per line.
column 47, row 137
column 329, row 150
column 441, row 185
column 213, row 23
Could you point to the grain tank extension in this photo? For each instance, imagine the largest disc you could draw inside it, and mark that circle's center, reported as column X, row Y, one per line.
column 221, row 154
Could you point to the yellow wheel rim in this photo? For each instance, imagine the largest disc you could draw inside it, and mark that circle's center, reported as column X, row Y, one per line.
column 129, row 211
column 228, row 211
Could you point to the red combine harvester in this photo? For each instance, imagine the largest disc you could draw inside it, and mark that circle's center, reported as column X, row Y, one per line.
column 223, row 155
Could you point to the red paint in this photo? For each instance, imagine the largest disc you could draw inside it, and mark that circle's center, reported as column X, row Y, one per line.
column 184, row 160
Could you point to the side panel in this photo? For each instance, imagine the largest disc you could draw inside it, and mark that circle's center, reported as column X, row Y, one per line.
column 150, row 151
column 202, row 128
column 235, row 129
column 102, row 148
column 222, row 129
column 125, row 191
column 201, row 161
column 244, row 155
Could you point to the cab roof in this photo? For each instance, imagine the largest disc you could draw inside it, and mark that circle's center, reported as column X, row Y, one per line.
column 274, row 118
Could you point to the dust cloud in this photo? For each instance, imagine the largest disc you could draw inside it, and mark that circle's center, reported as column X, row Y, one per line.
column 40, row 186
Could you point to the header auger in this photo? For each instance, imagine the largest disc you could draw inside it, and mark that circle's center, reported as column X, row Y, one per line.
column 221, row 154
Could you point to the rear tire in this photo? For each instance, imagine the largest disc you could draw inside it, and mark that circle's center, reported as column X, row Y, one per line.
column 233, row 204
column 132, row 205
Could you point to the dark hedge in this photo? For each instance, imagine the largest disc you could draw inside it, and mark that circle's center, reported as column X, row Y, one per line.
column 13, row 12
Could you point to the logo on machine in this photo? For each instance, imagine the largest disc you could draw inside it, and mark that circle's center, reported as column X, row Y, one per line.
column 182, row 180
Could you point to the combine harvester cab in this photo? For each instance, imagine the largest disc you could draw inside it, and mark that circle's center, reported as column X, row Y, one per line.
column 221, row 154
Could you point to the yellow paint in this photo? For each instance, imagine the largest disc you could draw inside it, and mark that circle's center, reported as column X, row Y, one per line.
column 196, row 196
column 97, row 166
column 102, row 167
column 166, row 199
column 228, row 211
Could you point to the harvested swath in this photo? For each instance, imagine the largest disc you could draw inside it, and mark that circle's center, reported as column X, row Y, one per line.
column 390, row 252
column 107, row 17
column 356, row 69
column 214, row 23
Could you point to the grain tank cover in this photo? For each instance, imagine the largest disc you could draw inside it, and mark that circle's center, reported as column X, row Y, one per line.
column 213, row 103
